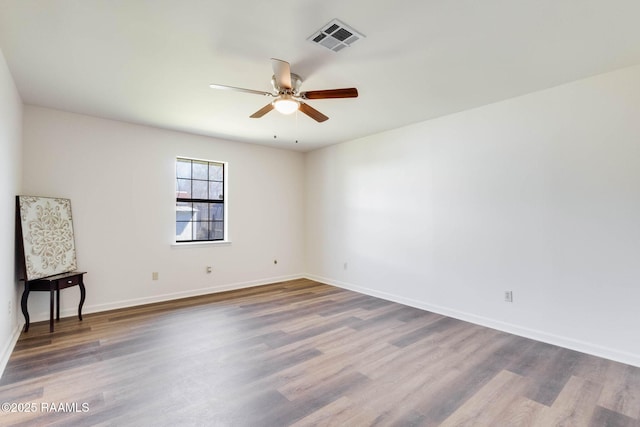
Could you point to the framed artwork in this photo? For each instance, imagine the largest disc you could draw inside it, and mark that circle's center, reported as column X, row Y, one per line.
column 45, row 236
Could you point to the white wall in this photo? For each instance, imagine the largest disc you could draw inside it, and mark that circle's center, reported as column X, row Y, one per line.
column 121, row 181
column 539, row 195
column 10, row 174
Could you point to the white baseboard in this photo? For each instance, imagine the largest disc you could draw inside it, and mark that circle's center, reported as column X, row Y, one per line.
column 566, row 342
column 96, row 308
column 6, row 352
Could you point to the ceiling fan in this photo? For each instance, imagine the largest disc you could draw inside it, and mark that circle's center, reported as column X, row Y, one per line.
column 287, row 94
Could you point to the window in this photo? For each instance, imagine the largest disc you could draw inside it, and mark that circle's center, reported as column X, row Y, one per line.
column 199, row 200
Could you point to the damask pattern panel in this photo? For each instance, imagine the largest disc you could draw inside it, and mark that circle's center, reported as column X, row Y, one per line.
column 47, row 236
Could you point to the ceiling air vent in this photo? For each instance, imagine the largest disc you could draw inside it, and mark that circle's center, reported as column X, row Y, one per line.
column 335, row 36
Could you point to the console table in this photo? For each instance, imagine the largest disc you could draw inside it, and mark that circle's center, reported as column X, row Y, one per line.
column 53, row 284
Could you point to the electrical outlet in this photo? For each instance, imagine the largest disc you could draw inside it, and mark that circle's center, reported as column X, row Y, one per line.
column 209, row 269
column 275, row 261
column 9, row 308
column 508, row 296
column 154, row 275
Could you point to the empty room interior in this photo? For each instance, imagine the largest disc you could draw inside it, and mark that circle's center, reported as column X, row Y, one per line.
column 443, row 230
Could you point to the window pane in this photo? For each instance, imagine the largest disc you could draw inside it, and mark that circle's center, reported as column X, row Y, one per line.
column 216, row 171
column 184, row 211
column 183, row 188
column 184, row 218
column 201, row 211
column 199, row 190
column 183, row 168
column 216, row 211
column 201, row 231
column 217, row 231
column 216, row 190
column 200, row 170
column 183, row 231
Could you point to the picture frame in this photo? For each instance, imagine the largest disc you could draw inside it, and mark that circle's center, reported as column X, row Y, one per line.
column 45, row 237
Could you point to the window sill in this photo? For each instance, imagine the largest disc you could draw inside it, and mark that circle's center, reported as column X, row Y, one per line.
column 192, row 244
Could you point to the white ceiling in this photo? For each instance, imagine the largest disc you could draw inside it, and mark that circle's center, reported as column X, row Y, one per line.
column 151, row 61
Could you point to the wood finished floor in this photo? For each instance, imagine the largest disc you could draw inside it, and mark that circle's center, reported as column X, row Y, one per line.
column 305, row 354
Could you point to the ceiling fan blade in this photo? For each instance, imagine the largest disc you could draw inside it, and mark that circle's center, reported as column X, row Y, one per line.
column 239, row 89
column 350, row 92
column 261, row 112
column 313, row 113
column 282, row 73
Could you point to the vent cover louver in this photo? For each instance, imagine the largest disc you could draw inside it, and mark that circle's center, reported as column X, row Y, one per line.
column 335, row 36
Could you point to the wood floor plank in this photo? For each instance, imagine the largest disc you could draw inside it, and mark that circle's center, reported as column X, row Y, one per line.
column 620, row 391
column 333, row 414
column 574, row 406
column 605, row 417
column 306, row 354
column 522, row 412
column 501, row 390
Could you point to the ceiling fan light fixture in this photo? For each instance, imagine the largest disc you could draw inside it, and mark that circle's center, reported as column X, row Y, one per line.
column 286, row 104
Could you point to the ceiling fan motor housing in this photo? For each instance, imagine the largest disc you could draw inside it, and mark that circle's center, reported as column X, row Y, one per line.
column 296, row 81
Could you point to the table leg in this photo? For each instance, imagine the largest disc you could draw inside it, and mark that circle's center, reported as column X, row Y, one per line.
column 57, row 304
column 51, row 298
column 25, row 313
column 82, row 296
